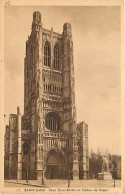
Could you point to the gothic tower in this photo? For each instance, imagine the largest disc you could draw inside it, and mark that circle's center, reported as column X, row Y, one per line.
column 49, row 101
column 49, row 143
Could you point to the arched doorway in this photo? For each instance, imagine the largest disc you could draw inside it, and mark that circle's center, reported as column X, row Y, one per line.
column 55, row 166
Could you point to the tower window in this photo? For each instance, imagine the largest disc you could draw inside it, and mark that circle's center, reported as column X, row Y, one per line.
column 52, row 121
column 56, row 56
column 47, row 54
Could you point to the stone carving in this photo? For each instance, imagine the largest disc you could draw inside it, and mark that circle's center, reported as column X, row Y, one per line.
column 105, row 164
column 104, row 174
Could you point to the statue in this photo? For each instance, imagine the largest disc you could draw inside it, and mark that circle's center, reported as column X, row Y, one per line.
column 105, row 173
column 105, row 164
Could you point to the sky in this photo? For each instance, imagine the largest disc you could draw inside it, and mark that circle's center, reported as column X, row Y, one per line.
column 97, row 62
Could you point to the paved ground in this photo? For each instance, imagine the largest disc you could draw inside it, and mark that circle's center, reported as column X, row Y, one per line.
column 64, row 183
column 13, row 185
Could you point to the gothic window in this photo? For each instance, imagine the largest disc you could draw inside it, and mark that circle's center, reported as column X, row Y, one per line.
column 115, row 164
column 47, row 54
column 25, row 149
column 52, row 121
column 56, row 56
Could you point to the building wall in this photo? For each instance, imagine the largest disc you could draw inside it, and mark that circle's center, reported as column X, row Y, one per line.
column 82, row 128
column 6, row 152
column 13, row 146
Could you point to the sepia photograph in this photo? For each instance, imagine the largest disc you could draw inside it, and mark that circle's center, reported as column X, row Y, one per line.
column 63, row 91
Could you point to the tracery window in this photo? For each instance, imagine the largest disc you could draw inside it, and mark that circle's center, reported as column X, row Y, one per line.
column 56, row 56
column 52, row 121
column 47, row 54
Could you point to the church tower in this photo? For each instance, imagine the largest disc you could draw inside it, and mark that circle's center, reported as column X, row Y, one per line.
column 50, row 144
column 49, row 101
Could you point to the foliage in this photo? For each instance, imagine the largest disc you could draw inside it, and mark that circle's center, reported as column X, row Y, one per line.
column 95, row 163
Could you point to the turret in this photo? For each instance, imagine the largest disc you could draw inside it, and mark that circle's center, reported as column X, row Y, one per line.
column 82, row 129
column 36, row 19
column 36, row 26
column 67, row 29
column 69, row 92
column 12, row 146
column 66, row 58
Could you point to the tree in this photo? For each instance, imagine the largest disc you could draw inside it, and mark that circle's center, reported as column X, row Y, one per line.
column 114, row 160
column 95, row 163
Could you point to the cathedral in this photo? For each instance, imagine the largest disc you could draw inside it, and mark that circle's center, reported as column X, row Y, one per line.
column 46, row 141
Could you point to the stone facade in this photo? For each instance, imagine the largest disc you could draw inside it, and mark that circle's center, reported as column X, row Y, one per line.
column 48, row 142
column 82, row 130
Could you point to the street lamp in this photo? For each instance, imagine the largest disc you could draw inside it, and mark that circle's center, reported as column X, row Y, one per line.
column 43, row 177
column 27, row 167
column 43, row 172
column 69, row 162
column 27, row 176
column 69, row 176
column 114, row 174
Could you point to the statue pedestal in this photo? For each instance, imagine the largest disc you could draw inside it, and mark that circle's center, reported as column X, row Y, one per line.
column 104, row 176
column 75, row 170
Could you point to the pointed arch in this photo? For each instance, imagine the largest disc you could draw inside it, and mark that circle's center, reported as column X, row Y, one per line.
column 25, row 149
column 55, row 164
column 47, row 54
column 56, row 56
column 52, row 121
